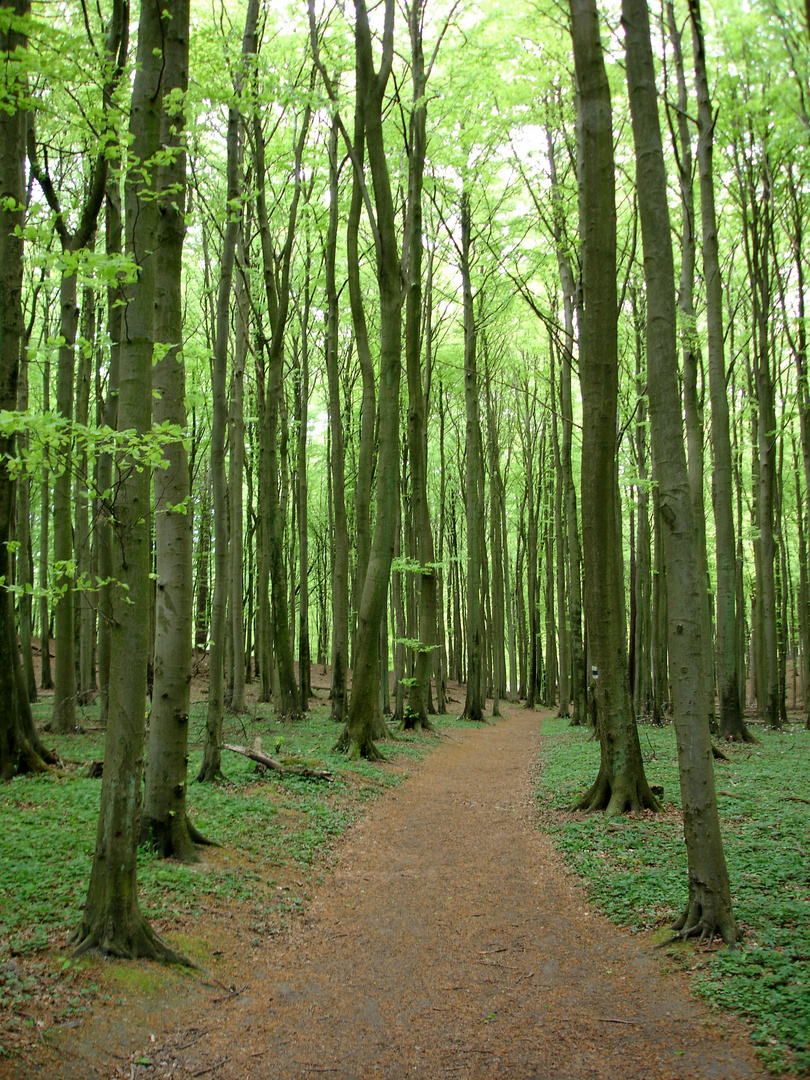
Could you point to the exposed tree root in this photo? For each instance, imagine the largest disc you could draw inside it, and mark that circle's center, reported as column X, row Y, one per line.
column 718, row 754
column 197, row 837
column 622, row 794
column 354, row 749
column 705, row 922
column 135, row 940
column 414, row 722
column 740, row 734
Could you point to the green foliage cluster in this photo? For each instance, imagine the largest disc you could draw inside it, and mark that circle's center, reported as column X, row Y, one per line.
column 635, row 870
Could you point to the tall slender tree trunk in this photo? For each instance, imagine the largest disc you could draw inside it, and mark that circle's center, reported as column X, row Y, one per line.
column 416, row 716
column 363, row 718
column 211, row 767
column 236, row 480
column 112, row 921
column 708, row 910
column 621, row 784
column 164, row 823
column 337, row 457
column 731, row 721
column 474, row 704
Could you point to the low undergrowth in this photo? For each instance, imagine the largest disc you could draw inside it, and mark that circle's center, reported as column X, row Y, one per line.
column 275, row 835
column 635, row 870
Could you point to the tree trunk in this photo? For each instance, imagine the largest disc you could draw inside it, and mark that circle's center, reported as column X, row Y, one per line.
column 112, row 920
column 416, row 716
column 474, row 703
column 364, row 719
column 164, row 824
column 277, row 289
column 211, row 768
column 236, row 480
column 621, row 784
column 708, row 910
column 731, row 721
column 17, row 753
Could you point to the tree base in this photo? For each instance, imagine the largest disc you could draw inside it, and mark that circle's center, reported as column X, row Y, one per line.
column 622, row 794
column 705, row 918
column 354, row 749
column 172, row 839
column 134, row 940
column 415, row 722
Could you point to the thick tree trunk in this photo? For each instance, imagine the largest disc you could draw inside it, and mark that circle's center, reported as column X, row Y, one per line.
column 17, row 753
column 621, row 784
column 164, row 824
column 708, row 910
column 364, row 719
column 112, row 920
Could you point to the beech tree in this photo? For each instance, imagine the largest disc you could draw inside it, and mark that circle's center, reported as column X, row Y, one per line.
column 708, row 909
column 621, row 783
column 112, row 921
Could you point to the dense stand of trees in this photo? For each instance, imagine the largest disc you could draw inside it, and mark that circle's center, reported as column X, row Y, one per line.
column 369, row 347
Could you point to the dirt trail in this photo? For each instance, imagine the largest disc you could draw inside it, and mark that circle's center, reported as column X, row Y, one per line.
column 450, row 943
column 447, row 942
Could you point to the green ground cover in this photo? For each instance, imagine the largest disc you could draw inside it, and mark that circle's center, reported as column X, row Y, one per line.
column 276, row 834
column 635, row 870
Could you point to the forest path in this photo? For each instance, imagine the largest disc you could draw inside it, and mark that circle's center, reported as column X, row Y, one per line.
column 449, row 942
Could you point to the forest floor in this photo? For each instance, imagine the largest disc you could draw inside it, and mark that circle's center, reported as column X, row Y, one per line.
column 446, row 940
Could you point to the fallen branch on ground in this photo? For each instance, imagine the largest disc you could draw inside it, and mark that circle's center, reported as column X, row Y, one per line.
column 283, row 769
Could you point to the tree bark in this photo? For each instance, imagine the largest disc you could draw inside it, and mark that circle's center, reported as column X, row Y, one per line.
column 363, row 719
column 621, row 784
column 17, row 753
column 164, row 822
column 211, row 768
column 708, row 910
column 112, row 921
column 474, row 703
column 731, row 721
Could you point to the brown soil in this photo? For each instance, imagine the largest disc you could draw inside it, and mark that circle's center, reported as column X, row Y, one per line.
column 447, row 941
